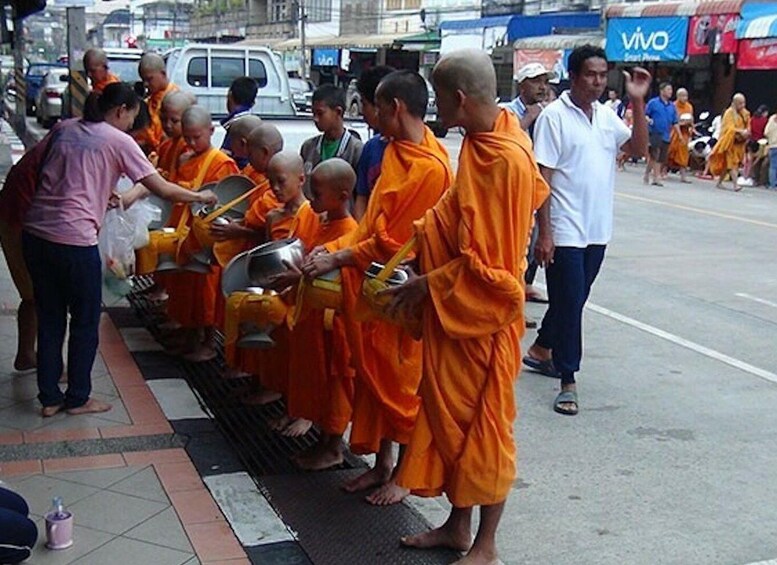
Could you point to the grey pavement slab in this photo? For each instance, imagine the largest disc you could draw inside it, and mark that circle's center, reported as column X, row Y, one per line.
column 125, row 551
column 163, row 529
column 115, row 513
column 143, row 484
column 40, row 490
column 85, row 541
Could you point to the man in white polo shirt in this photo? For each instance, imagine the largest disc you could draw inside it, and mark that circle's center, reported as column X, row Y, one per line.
column 576, row 142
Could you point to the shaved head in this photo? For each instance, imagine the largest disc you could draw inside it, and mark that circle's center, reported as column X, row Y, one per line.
column 244, row 125
column 266, row 135
column 682, row 92
column 468, row 70
column 196, row 116
column 95, row 56
column 739, row 97
column 151, row 62
column 335, row 173
column 289, row 162
column 179, row 100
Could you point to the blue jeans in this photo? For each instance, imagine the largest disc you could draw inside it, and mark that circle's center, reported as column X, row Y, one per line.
column 773, row 167
column 65, row 279
column 569, row 279
column 18, row 533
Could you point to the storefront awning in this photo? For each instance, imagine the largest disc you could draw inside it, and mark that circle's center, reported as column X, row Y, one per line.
column 665, row 9
column 758, row 21
column 341, row 42
column 547, row 24
column 479, row 23
column 554, row 42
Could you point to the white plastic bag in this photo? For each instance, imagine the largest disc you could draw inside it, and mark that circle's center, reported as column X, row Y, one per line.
column 117, row 252
column 141, row 214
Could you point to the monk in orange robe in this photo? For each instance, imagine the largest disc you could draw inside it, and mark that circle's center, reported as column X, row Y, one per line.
column 96, row 67
column 294, row 218
column 195, row 299
column 414, row 174
column 729, row 152
column 471, row 251
column 174, row 145
column 238, row 130
column 320, row 387
column 679, row 155
column 263, row 143
column 153, row 72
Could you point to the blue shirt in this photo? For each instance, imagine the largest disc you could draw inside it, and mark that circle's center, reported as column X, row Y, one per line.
column 368, row 169
column 518, row 107
column 664, row 116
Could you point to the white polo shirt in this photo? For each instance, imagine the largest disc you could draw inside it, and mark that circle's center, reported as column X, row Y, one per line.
column 582, row 154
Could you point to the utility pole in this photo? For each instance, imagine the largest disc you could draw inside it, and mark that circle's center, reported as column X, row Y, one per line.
column 303, row 17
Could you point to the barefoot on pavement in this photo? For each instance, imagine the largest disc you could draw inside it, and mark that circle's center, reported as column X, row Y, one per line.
column 298, row 427
column 440, row 537
column 373, row 478
column 388, row 494
column 92, row 406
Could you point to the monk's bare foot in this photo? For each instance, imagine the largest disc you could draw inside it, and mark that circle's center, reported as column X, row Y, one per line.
column 49, row 411
column 477, row 557
column 157, row 294
column 440, row 537
column 201, row 354
column 279, row 424
column 375, row 477
column 24, row 363
column 297, row 428
column 169, row 326
column 261, row 398
column 388, row 494
column 320, row 460
column 92, row 406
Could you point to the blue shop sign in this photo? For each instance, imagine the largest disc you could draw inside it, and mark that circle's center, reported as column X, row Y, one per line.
column 326, row 57
column 634, row 40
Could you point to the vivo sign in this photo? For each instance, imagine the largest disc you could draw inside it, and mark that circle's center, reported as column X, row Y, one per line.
column 646, row 39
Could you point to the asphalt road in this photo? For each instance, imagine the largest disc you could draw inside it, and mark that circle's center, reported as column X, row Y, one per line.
column 673, row 455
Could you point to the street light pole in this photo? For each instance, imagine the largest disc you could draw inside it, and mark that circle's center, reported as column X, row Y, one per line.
column 302, row 22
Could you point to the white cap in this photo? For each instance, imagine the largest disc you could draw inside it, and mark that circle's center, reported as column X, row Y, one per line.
column 534, row 70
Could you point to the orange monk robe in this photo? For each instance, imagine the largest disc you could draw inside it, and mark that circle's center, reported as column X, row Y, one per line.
column 195, row 299
column 110, row 78
column 153, row 134
column 320, row 376
column 170, row 151
column 271, row 366
column 678, row 154
column 253, row 174
column 472, row 247
column 729, row 151
column 387, row 360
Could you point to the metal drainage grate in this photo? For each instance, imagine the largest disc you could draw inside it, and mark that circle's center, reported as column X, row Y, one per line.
column 261, row 450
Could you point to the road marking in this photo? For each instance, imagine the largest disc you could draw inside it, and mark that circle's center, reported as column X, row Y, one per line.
column 770, row 562
column 706, row 351
column 698, row 210
column 756, row 299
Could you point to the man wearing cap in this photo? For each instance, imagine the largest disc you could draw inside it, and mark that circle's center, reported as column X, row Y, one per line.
column 533, row 82
column 533, row 89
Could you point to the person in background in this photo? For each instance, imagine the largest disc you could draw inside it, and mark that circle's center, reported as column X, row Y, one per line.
column 758, row 122
column 678, row 155
column 241, row 97
column 613, row 102
column 96, row 67
column 368, row 169
column 729, row 152
column 18, row 533
column 770, row 132
column 662, row 117
column 153, row 73
column 85, row 159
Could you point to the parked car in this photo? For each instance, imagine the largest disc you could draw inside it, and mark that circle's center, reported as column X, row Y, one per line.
column 302, row 94
column 353, row 102
column 34, row 80
column 207, row 71
column 48, row 108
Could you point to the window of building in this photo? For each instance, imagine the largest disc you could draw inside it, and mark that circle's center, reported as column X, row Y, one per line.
column 319, row 10
column 278, row 11
column 403, row 4
column 393, row 4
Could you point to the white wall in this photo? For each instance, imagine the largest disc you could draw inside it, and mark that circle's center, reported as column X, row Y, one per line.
column 409, row 21
column 323, row 30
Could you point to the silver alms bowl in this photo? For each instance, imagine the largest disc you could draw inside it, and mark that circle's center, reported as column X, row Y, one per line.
column 272, row 258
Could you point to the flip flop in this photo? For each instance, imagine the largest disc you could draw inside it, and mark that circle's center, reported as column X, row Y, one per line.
column 543, row 367
column 566, row 397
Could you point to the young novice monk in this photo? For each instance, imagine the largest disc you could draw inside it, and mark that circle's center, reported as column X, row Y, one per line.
column 320, row 377
column 239, row 129
column 295, row 218
column 335, row 140
column 153, row 73
column 415, row 172
column 171, row 149
column 193, row 301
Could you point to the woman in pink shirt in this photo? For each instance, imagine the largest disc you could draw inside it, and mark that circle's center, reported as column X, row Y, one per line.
column 82, row 166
